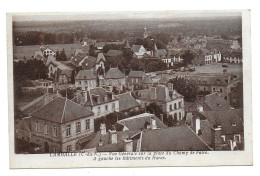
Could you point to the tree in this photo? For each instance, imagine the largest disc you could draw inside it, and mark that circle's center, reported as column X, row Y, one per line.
column 188, row 90
column 187, row 57
column 62, row 56
column 236, row 96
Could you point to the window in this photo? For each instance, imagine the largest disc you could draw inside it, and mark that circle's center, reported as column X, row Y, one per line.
column 180, row 116
column 45, row 129
column 37, row 126
column 69, row 148
column 68, row 130
column 55, row 131
column 175, row 106
column 87, row 124
column 78, row 127
column 170, row 107
column 106, row 107
column 237, row 137
column 220, row 89
column 113, row 106
column 179, row 104
column 98, row 110
column 223, row 138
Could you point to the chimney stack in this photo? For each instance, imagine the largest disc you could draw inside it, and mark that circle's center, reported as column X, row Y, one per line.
column 216, row 140
column 197, row 125
column 113, row 136
column 161, row 117
column 200, row 108
column 153, row 123
column 103, row 130
column 128, row 145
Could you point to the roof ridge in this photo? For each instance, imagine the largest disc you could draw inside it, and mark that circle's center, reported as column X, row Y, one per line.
column 198, row 137
column 63, row 113
column 46, row 104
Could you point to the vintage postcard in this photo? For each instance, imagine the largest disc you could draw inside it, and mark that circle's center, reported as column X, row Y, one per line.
column 129, row 89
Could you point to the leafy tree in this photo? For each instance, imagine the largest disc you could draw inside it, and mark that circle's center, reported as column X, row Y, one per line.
column 187, row 57
column 188, row 90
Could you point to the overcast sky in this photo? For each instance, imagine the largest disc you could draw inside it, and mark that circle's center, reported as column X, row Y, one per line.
column 120, row 15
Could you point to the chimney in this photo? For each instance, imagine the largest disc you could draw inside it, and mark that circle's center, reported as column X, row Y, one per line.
column 161, row 117
column 197, row 125
column 47, row 98
column 153, row 123
column 103, row 130
column 113, row 136
column 128, row 145
column 216, row 140
column 105, row 99
column 100, row 142
column 200, row 108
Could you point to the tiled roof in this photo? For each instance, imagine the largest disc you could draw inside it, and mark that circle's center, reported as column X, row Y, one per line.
column 101, row 93
column 89, row 62
column 210, row 78
column 136, row 48
column 66, row 72
column 211, row 102
column 138, row 122
column 225, row 119
column 114, row 73
column 61, row 110
column 127, row 101
column 24, row 124
column 139, row 74
column 160, row 93
column 113, row 53
column 147, row 80
column 100, row 57
column 180, row 138
column 85, row 75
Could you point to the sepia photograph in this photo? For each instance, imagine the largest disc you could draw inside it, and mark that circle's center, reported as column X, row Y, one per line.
column 129, row 86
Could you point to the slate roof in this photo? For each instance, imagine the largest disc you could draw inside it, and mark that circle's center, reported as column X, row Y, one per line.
column 127, row 101
column 136, row 74
column 66, row 72
column 221, row 79
column 114, row 53
column 89, row 62
column 211, row 102
column 62, row 110
column 180, row 138
column 114, row 73
column 226, row 119
column 107, row 146
column 138, row 122
column 100, row 57
column 160, row 93
column 102, row 93
column 136, row 48
column 147, row 80
column 58, row 64
column 85, row 75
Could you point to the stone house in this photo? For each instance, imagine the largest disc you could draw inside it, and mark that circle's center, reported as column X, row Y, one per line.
column 221, row 130
column 86, row 79
column 61, row 125
column 114, row 78
column 170, row 101
column 98, row 100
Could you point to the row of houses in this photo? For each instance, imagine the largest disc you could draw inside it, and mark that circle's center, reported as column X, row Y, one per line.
column 63, row 125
